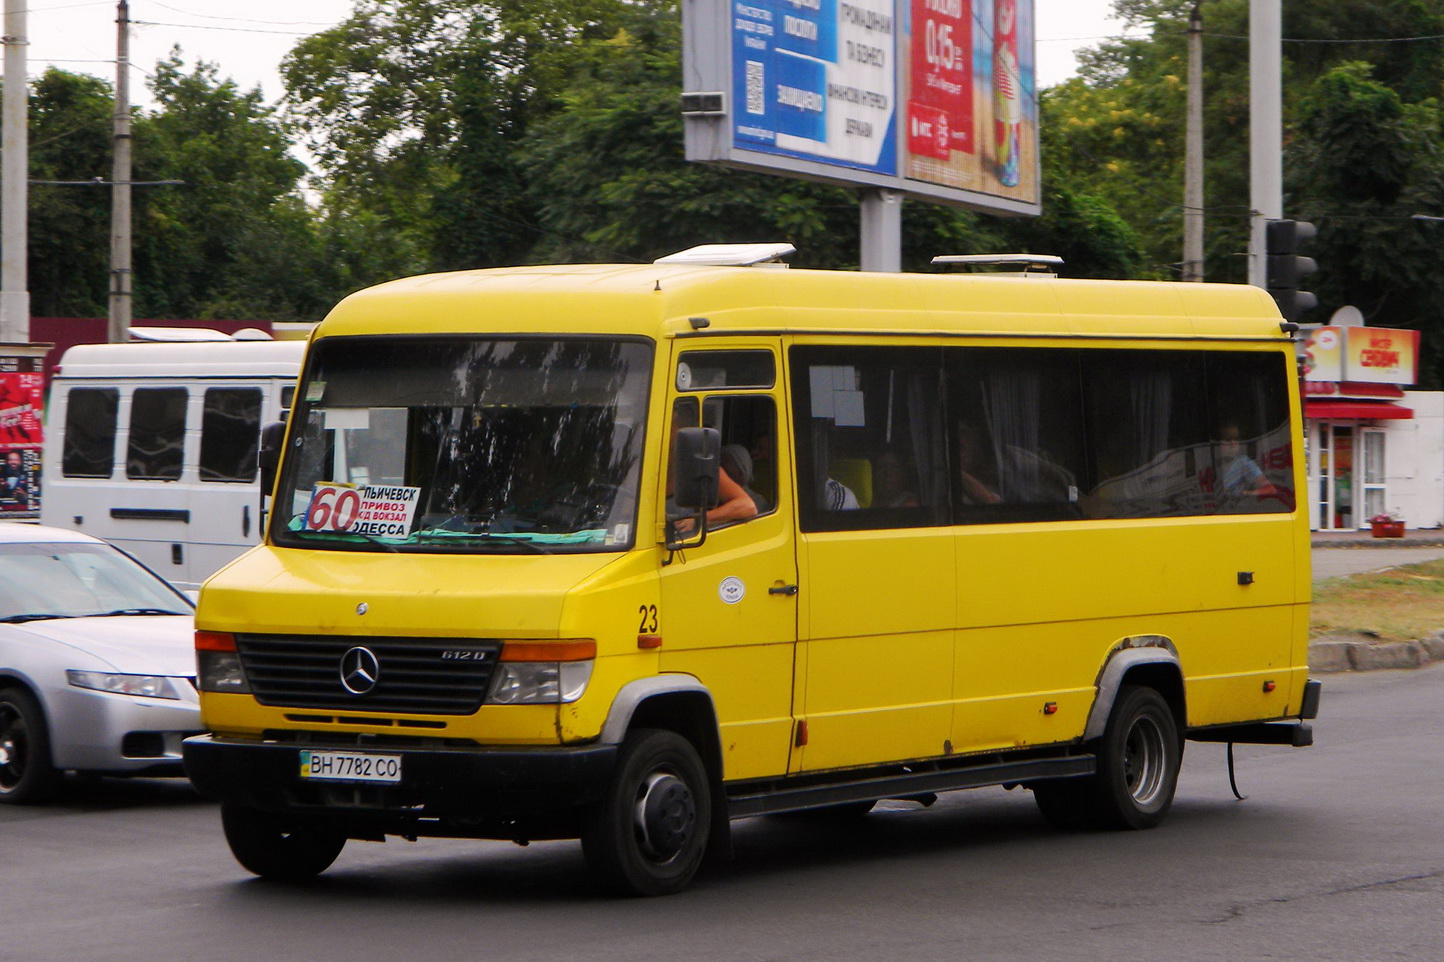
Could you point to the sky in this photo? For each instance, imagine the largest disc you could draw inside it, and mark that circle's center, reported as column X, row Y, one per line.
column 248, row 39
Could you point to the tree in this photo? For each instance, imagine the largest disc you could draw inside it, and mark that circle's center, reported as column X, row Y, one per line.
column 71, row 116
column 212, row 244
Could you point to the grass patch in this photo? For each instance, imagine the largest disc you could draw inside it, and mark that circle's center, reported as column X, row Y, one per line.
column 1401, row 604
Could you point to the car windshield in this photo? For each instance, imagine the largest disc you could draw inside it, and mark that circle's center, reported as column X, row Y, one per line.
column 430, row 444
column 79, row 580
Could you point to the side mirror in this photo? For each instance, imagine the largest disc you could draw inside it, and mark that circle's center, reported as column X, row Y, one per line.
column 696, row 460
column 273, row 435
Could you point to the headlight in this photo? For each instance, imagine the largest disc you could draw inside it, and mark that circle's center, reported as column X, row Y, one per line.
column 539, row 682
column 221, row 671
column 218, row 664
column 149, row 686
column 543, row 672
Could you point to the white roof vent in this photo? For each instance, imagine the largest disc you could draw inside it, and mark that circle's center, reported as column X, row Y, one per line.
column 730, row 255
column 177, row 334
column 1034, row 265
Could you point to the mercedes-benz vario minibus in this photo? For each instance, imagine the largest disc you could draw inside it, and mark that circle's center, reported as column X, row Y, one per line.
column 622, row 553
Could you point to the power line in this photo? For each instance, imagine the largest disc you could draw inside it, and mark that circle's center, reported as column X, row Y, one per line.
column 205, row 26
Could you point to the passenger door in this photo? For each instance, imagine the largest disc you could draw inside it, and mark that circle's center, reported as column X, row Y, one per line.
column 875, row 555
column 728, row 612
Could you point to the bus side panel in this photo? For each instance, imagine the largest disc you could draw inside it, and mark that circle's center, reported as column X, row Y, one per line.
column 1071, row 592
column 880, row 645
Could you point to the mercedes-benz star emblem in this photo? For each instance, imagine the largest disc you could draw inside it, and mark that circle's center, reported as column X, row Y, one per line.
column 359, row 671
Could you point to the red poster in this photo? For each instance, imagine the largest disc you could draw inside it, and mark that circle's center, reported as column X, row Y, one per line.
column 22, row 410
column 940, row 98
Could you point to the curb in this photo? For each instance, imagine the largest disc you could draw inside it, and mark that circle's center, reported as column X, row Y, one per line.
column 1334, row 653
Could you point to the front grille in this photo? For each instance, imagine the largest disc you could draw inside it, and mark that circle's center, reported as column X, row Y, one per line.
column 434, row 676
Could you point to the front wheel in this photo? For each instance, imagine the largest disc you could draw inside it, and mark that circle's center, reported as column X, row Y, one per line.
column 275, row 846
column 26, row 772
column 649, row 834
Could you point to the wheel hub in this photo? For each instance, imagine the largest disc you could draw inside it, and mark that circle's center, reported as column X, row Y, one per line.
column 666, row 815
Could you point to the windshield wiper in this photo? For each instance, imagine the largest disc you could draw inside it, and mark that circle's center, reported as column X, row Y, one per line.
column 464, row 541
column 21, row 619
column 135, row 611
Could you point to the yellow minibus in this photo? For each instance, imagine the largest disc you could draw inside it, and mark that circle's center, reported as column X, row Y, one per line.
column 622, row 553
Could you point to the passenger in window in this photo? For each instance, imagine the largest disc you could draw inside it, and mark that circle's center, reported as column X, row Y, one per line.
column 892, row 485
column 975, row 462
column 733, row 503
column 837, row 496
column 737, row 462
column 1239, row 475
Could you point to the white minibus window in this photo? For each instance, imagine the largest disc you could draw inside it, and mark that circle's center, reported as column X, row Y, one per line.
column 230, row 434
column 90, row 415
column 156, row 449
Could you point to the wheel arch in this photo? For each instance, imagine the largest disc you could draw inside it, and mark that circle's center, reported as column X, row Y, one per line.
column 1150, row 660
column 681, row 704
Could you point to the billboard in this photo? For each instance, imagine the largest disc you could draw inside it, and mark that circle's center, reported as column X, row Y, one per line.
column 935, row 98
column 1369, row 355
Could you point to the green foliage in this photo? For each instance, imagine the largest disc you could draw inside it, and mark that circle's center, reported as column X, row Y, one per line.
column 235, row 209
column 70, row 125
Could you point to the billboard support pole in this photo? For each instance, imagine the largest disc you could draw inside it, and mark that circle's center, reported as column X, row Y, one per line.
column 881, row 237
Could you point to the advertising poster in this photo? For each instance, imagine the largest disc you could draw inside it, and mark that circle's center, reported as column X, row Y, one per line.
column 972, row 116
column 1379, row 355
column 22, row 414
column 815, row 79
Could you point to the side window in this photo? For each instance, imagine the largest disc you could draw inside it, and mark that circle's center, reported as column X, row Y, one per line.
column 1252, row 469
column 870, row 437
column 230, row 434
column 748, row 425
column 90, row 415
column 1015, row 443
column 157, row 434
column 1148, row 430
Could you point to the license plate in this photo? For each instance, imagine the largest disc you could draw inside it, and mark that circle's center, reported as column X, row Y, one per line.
column 350, row 767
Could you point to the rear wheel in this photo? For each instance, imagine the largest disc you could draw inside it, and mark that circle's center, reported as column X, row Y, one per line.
column 26, row 772
column 279, row 846
column 1139, row 757
column 649, row 834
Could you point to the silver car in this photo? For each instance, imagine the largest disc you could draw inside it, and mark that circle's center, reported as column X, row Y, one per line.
column 97, row 657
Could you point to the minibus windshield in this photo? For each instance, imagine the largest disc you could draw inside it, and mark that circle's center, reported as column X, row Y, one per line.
column 519, row 445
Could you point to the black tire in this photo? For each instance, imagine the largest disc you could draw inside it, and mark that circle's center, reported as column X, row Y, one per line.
column 277, row 846
column 27, row 774
column 649, row 834
column 1139, row 757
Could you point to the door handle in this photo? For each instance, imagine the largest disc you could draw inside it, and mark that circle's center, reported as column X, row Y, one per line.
column 782, row 590
column 245, row 521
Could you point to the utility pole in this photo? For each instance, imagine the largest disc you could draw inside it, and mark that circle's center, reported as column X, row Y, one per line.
column 14, row 189
column 1193, row 154
column 120, row 271
column 1266, row 166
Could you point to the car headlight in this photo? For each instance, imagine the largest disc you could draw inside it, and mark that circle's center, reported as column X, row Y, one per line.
column 542, row 672
column 149, row 686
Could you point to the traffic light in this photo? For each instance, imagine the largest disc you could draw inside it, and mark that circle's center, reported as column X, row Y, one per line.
column 1283, row 238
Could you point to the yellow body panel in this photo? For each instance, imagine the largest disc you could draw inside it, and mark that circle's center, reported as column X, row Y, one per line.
column 896, row 645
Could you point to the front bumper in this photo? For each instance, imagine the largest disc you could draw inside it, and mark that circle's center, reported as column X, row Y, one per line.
column 445, row 790
column 113, row 734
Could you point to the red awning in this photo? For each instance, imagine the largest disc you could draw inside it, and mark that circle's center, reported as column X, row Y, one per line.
column 1360, row 410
